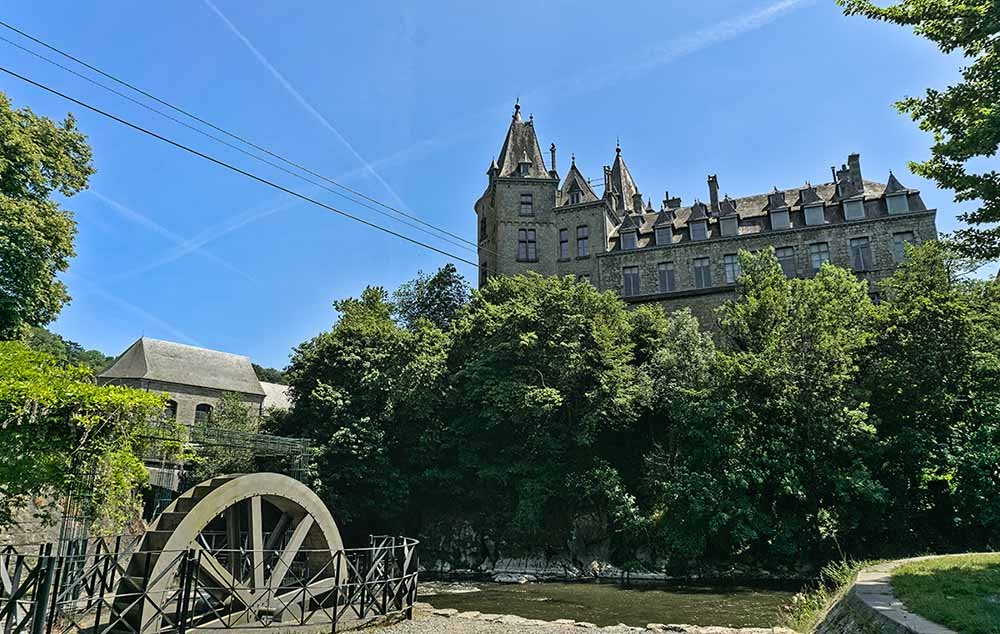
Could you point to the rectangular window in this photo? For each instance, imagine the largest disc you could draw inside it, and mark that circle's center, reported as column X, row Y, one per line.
column 527, row 206
column 582, row 241
column 730, row 226
column 786, row 258
column 780, row 220
column 897, row 204
column 815, row 216
column 574, row 197
column 526, row 246
column 818, row 254
column 630, row 281
column 861, row 254
column 854, row 209
column 664, row 236
column 699, row 230
column 665, row 276
column 564, row 244
column 629, row 240
column 702, row 273
column 899, row 242
column 732, row 265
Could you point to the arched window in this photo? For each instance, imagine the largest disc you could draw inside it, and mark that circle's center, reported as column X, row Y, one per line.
column 203, row 413
column 170, row 410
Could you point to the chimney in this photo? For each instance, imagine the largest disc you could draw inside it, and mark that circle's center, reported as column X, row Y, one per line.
column 854, row 168
column 607, row 179
column 552, row 168
column 713, row 192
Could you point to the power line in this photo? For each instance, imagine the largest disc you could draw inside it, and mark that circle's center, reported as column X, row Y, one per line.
column 229, row 166
column 254, row 156
column 224, row 131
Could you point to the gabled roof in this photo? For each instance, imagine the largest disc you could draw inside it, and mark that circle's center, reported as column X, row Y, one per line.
column 727, row 207
column 893, row 186
column 622, row 185
column 808, row 196
column 576, row 182
column 276, row 396
column 177, row 363
column 699, row 211
column 776, row 200
column 632, row 222
column 521, row 143
column 665, row 217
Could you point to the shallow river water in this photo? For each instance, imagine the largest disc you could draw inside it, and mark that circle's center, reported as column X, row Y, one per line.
column 610, row 603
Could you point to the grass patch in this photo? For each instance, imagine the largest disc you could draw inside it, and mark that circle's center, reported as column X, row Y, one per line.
column 961, row 592
column 810, row 606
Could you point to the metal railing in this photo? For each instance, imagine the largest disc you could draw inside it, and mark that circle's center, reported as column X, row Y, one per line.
column 110, row 588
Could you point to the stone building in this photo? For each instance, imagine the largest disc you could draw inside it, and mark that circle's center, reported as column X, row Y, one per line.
column 195, row 378
column 681, row 255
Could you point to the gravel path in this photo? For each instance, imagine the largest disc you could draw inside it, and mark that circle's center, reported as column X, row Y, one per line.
column 429, row 621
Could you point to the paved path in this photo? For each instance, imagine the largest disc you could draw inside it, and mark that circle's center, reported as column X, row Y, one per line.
column 874, row 588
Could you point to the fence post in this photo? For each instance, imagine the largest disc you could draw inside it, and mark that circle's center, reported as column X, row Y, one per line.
column 46, row 570
column 187, row 571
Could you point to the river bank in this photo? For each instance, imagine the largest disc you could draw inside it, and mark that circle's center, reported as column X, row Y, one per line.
column 428, row 620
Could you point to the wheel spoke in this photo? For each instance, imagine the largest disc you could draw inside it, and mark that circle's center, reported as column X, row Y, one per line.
column 291, row 550
column 257, row 542
column 214, row 569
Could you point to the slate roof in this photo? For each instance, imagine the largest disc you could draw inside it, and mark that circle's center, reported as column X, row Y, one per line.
column 576, row 182
column 623, row 187
column 807, row 196
column 171, row 362
column 276, row 396
column 521, row 142
column 893, row 186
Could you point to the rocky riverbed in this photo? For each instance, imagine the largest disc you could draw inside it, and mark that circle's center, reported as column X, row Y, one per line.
column 428, row 620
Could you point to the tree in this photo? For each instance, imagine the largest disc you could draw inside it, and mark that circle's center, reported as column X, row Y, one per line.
column 363, row 393
column 57, row 427
column 760, row 449
column 964, row 118
column 437, row 298
column 39, row 158
column 269, row 375
column 66, row 351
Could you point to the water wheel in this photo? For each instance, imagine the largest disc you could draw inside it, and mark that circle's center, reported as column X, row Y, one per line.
column 256, row 548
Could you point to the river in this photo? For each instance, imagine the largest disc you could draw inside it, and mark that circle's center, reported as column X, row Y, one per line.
column 610, row 603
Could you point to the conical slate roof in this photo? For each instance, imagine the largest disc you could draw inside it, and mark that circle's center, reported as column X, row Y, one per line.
column 699, row 211
column 576, row 182
column 170, row 362
column 521, row 142
column 622, row 185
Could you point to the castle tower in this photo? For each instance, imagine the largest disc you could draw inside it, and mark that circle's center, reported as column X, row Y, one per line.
column 516, row 230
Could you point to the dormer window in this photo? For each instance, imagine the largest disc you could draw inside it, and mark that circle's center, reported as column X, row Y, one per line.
column 664, row 235
column 815, row 216
column 780, row 220
column 699, row 230
column 854, row 209
column 629, row 240
column 730, row 226
column 574, row 197
column 897, row 203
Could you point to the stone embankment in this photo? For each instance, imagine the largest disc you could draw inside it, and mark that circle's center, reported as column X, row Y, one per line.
column 428, row 620
column 871, row 606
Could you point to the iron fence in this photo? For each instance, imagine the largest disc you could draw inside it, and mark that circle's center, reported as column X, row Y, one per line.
column 109, row 587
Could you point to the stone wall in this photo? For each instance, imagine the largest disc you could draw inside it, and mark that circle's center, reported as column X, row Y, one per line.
column 189, row 397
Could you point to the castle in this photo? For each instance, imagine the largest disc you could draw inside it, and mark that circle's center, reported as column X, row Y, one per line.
column 683, row 255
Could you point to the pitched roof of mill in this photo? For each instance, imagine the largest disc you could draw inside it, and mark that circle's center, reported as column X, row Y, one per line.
column 276, row 396
column 171, row 362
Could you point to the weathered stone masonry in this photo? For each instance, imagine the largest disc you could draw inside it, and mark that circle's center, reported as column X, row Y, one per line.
column 530, row 220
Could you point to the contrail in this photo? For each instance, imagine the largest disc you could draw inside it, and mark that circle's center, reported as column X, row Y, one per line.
column 149, row 223
column 132, row 308
column 304, row 102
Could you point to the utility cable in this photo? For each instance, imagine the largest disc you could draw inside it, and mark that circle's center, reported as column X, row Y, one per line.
column 229, row 166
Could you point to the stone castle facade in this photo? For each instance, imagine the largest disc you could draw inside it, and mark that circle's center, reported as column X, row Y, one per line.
column 531, row 219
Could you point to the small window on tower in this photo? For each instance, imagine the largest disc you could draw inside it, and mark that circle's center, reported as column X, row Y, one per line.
column 527, row 207
column 526, row 246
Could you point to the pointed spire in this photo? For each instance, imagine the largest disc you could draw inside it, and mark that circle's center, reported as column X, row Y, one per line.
column 521, row 147
column 517, row 109
column 893, row 186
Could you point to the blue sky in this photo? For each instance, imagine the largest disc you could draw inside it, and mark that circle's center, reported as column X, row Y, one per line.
column 408, row 103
